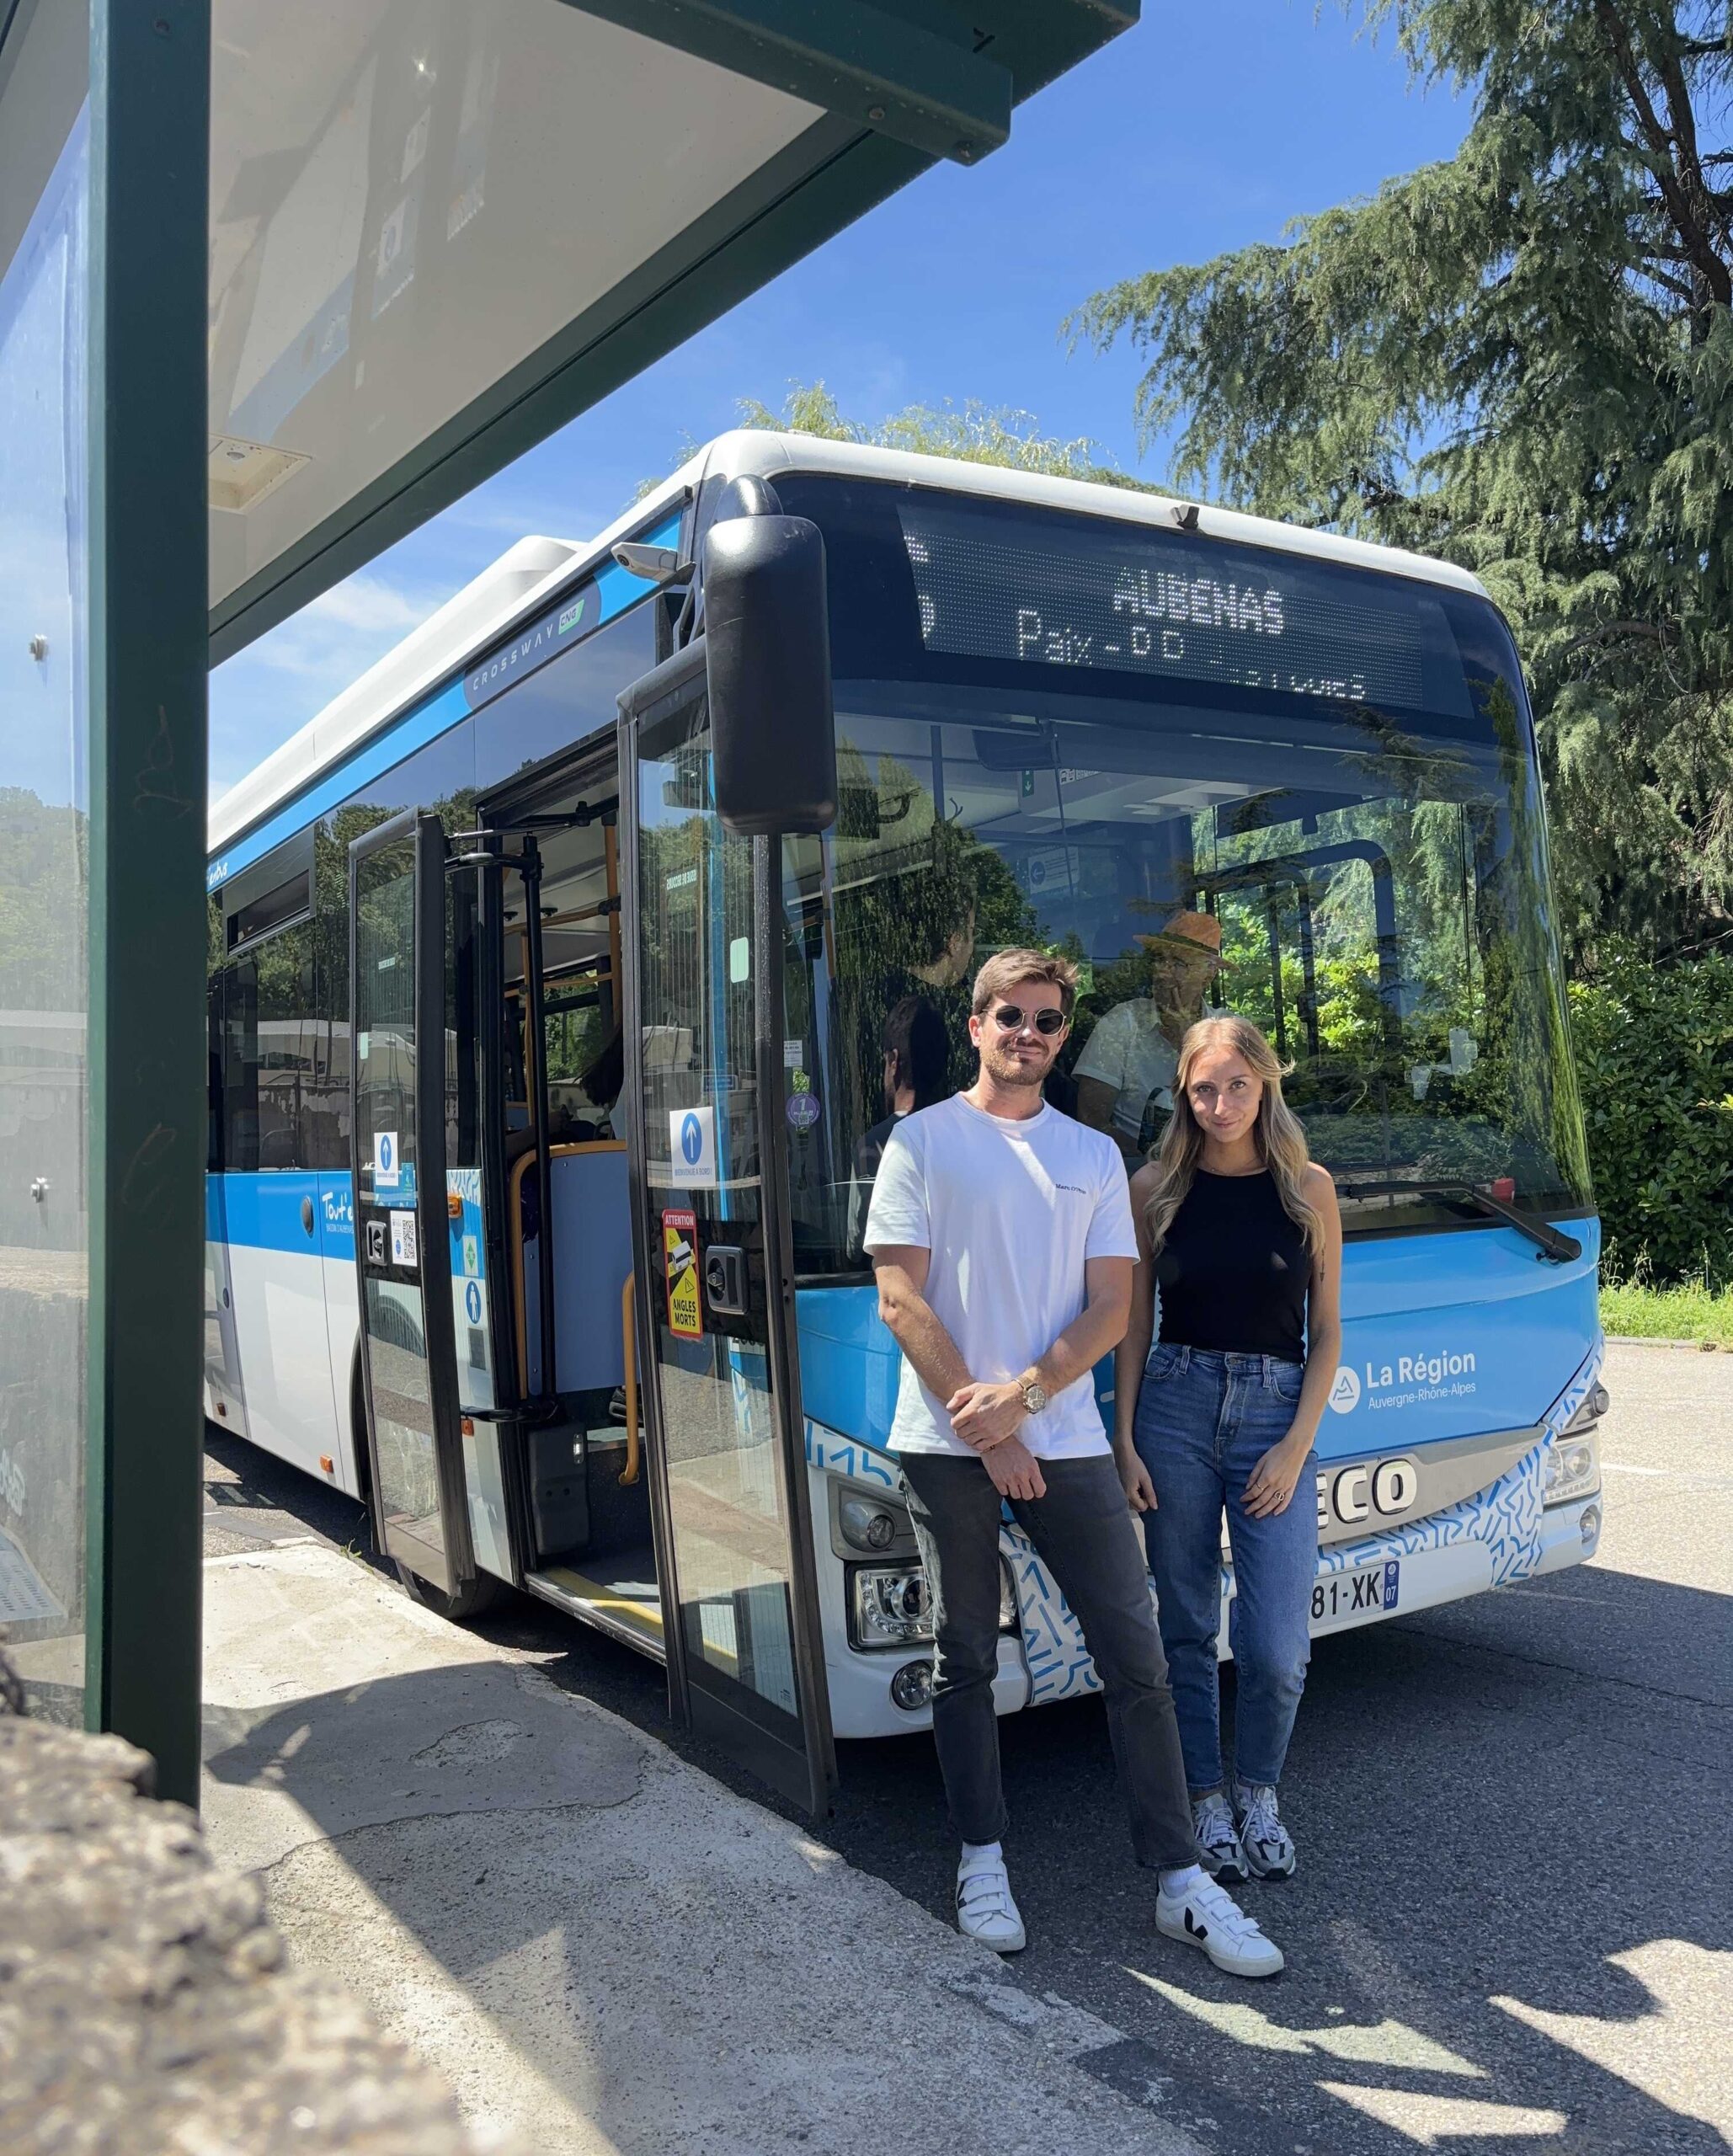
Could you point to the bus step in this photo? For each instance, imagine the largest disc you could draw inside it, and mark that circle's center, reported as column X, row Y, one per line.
column 617, row 1594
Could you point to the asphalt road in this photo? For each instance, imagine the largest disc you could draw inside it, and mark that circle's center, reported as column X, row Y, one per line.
column 1514, row 1911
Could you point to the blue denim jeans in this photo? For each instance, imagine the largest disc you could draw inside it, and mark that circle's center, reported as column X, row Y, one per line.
column 1203, row 1421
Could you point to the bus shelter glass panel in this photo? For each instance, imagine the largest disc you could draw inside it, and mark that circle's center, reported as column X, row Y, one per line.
column 45, row 856
column 392, row 229
column 406, row 1465
column 727, row 1505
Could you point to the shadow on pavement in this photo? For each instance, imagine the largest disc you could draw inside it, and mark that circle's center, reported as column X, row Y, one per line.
column 1482, row 1816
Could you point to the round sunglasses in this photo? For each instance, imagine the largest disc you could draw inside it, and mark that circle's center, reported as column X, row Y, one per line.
column 1011, row 1019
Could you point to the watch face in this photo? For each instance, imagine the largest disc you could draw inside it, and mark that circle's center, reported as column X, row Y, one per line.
column 1034, row 1398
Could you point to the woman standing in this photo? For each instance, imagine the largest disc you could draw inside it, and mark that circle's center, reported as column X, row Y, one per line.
column 1241, row 1234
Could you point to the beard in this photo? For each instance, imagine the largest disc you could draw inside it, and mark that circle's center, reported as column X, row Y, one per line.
column 1006, row 1068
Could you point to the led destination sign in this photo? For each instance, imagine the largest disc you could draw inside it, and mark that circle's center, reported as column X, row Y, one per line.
column 1140, row 602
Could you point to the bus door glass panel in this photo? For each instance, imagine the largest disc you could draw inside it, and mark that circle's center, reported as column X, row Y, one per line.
column 734, row 1531
column 472, row 1285
column 403, row 1225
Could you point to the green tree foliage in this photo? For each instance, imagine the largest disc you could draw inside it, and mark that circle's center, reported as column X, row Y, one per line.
column 42, row 886
column 1523, row 360
column 919, row 903
column 972, row 433
column 1654, row 1057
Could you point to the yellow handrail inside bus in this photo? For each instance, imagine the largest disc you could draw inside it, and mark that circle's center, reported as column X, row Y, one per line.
column 634, row 1464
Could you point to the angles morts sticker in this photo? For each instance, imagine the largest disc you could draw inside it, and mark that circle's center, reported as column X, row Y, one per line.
column 679, row 1260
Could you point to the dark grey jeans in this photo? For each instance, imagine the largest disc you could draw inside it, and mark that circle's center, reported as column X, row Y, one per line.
column 1083, row 1532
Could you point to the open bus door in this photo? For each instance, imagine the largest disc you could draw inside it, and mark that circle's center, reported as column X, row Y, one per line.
column 721, row 1386
column 398, row 1029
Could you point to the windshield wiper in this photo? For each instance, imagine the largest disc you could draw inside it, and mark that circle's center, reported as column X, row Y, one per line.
column 1559, row 1247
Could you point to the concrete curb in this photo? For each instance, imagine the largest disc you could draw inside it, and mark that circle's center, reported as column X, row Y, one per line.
column 1643, row 1340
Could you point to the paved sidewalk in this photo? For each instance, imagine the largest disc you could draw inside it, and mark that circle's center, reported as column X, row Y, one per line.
column 602, row 1948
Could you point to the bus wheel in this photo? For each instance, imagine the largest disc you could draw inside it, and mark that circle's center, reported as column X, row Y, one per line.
column 482, row 1591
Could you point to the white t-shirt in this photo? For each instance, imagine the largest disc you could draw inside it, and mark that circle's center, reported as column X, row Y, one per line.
column 1010, row 1211
column 1128, row 1051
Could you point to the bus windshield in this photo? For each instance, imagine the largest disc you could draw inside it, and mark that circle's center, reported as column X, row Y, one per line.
column 1217, row 777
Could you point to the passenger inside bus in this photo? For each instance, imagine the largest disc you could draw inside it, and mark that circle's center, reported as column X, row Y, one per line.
column 916, row 1054
column 1125, row 1070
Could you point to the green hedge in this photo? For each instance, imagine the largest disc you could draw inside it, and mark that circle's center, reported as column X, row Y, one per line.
column 1655, row 1062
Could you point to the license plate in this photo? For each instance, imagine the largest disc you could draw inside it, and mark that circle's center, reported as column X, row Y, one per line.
column 1372, row 1590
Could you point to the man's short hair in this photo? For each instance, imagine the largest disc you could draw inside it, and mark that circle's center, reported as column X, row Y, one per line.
column 1005, row 968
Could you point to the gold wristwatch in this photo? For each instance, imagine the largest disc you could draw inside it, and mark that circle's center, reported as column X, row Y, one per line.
column 1033, row 1394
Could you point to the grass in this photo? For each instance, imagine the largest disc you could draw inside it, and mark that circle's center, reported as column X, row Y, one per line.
column 1691, row 1311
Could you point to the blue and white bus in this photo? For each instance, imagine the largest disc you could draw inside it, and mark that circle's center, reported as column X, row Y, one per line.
column 550, row 970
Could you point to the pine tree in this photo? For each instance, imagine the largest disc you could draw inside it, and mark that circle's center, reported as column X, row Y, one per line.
column 1521, row 359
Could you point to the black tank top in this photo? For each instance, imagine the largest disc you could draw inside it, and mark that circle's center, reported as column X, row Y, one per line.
column 1233, row 1270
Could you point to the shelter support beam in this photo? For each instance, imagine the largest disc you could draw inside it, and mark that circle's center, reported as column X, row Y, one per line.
column 931, row 93
column 149, row 137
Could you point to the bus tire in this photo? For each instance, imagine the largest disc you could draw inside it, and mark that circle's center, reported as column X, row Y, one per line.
column 482, row 1591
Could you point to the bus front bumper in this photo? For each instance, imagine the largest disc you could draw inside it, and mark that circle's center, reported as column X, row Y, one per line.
column 1388, row 1575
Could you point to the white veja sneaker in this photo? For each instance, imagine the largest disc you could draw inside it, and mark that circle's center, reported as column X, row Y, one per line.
column 1209, row 1917
column 1218, row 1839
column 984, row 1907
column 1266, row 1843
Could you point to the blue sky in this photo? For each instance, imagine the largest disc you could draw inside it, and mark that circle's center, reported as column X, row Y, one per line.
column 1204, row 128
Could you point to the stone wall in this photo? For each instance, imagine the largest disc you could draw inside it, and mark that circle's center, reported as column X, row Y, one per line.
column 145, row 2004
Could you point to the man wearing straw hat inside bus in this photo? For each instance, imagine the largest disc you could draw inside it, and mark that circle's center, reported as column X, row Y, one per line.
column 1126, row 1071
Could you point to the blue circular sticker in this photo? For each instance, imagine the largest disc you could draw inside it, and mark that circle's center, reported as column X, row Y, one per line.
column 802, row 1110
column 385, row 1153
column 691, row 1141
column 473, row 1301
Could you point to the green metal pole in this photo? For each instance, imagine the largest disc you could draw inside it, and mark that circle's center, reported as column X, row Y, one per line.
column 150, row 67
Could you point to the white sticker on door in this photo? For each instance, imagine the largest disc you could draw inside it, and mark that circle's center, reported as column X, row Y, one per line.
column 403, row 1239
column 691, row 1146
column 387, row 1161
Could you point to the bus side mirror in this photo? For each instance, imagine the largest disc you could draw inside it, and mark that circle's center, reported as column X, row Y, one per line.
column 767, row 660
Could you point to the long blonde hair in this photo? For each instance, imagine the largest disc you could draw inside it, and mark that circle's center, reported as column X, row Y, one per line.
column 1280, row 1140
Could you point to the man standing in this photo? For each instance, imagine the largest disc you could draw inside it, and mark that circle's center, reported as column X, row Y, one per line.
column 1125, row 1074
column 1000, row 1233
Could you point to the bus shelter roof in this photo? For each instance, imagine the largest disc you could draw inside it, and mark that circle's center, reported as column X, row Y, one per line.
column 440, row 228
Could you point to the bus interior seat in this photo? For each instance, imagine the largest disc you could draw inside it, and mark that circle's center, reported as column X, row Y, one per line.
column 592, row 1245
column 592, row 1249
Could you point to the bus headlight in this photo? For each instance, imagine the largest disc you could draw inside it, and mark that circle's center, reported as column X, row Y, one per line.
column 891, row 1606
column 868, row 1526
column 867, row 1523
column 1573, row 1468
column 1594, row 1407
column 912, row 1687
